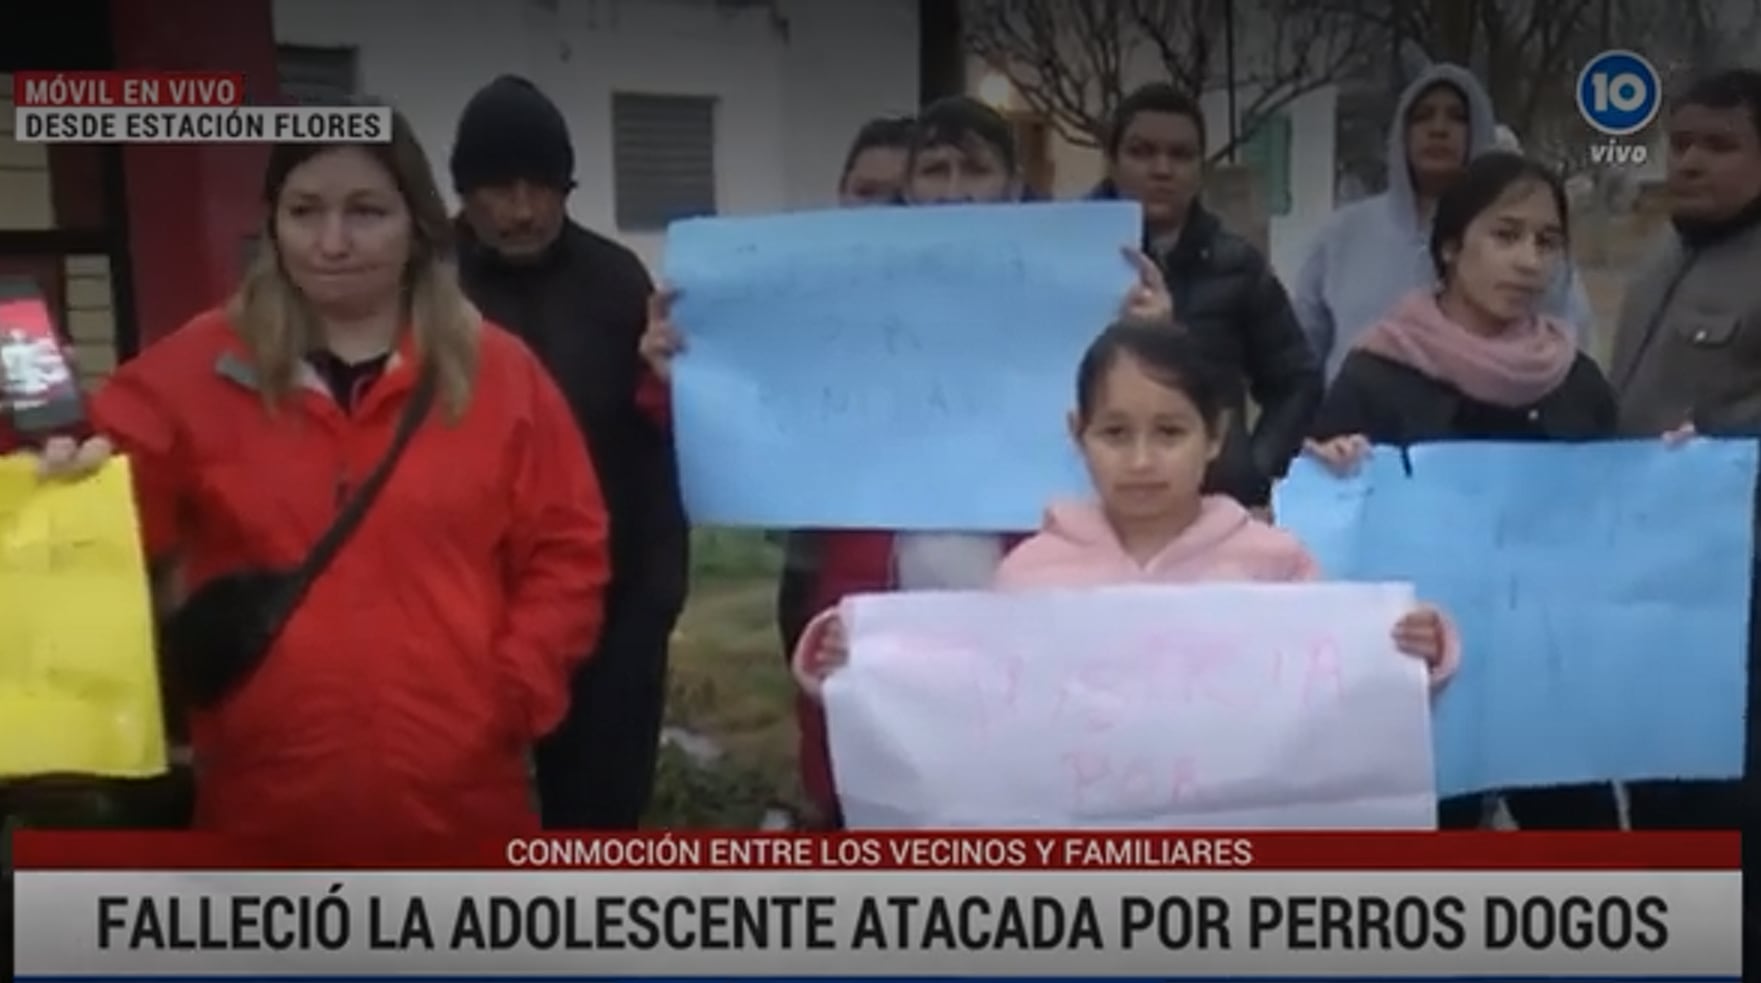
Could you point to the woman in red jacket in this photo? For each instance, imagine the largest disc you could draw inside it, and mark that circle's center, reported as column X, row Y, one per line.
column 398, row 703
column 961, row 152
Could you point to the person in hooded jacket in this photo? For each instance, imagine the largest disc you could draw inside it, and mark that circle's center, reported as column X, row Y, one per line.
column 1472, row 358
column 962, row 152
column 1371, row 253
column 398, row 704
column 578, row 299
column 1224, row 291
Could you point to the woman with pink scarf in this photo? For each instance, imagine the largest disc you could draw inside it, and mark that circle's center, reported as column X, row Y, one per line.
column 1471, row 359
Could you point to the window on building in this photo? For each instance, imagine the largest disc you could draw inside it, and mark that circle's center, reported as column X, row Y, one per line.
column 317, row 76
column 1267, row 151
column 663, row 158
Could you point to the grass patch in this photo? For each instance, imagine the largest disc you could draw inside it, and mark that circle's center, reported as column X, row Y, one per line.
column 728, row 682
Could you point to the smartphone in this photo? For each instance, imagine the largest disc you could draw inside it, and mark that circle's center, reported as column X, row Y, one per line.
column 40, row 395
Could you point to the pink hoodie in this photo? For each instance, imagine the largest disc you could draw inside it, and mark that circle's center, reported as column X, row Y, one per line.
column 1076, row 547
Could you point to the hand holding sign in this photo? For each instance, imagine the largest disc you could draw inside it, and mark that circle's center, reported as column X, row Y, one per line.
column 66, row 459
column 825, row 345
column 660, row 338
column 824, row 648
column 1148, row 299
column 1569, row 568
column 1341, row 455
column 1422, row 633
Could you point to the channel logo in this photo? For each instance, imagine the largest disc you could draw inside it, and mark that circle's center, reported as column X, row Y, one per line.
column 1619, row 93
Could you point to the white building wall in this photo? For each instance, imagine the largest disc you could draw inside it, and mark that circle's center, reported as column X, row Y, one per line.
column 848, row 61
column 789, row 99
column 1312, row 160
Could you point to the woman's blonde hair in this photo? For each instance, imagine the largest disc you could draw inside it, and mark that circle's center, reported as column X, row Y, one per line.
column 279, row 327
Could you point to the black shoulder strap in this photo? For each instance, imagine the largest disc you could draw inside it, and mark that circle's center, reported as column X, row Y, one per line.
column 348, row 519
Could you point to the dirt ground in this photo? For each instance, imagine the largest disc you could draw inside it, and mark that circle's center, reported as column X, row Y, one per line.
column 729, row 685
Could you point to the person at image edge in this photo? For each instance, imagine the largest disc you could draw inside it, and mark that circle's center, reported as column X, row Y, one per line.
column 401, row 702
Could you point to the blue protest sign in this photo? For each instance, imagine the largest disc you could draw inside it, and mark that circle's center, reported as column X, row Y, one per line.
column 895, row 368
column 1602, row 592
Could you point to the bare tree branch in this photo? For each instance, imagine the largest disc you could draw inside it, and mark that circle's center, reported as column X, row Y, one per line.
column 1528, row 51
column 1067, row 73
column 1551, row 46
column 1168, row 27
column 1071, row 61
column 1303, row 49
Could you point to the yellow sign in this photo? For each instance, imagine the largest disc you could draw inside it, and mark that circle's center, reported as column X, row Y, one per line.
column 79, row 682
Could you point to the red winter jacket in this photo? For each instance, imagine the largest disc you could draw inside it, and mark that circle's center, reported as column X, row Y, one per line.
column 400, row 702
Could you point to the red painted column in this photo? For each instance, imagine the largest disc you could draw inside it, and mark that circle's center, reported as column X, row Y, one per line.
column 191, row 206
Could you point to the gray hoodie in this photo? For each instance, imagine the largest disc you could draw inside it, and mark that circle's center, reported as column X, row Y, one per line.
column 1371, row 253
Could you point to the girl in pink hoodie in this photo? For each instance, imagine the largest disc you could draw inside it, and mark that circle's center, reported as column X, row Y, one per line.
column 1150, row 417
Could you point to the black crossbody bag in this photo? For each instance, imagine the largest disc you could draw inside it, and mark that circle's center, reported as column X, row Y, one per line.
column 213, row 643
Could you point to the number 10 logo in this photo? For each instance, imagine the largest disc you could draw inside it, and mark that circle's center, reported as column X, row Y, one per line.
column 1619, row 93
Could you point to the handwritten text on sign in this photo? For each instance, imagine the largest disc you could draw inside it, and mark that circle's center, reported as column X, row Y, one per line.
column 1570, row 568
column 1245, row 706
column 825, row 346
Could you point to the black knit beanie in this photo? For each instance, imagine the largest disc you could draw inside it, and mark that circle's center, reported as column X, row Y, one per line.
column 509, row 132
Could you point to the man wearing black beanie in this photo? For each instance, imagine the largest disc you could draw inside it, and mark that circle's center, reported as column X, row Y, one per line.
column 579, row 300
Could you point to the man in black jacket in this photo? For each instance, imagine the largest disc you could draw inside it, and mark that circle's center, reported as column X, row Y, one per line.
column 1227, row 295
column 579, row 300
column 1224, row 291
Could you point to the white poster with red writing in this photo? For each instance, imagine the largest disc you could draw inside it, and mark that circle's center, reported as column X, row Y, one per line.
column 1193, row 707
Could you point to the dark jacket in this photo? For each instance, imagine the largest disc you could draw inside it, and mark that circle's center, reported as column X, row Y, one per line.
column 1391, row 403
column 1227, row 295
column 1688, row 343
column 582, row 307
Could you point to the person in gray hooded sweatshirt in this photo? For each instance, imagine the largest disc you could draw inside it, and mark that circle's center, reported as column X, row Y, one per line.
column 1371, row 253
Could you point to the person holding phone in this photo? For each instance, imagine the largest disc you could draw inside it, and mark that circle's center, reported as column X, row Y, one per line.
column 392, row 699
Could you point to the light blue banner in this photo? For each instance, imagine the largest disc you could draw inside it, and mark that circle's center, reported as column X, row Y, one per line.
column 893, row 368
column 1602, row 591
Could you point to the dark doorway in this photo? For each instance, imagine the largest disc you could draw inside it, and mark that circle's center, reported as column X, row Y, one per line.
column 66, row 35
column 941, row 50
